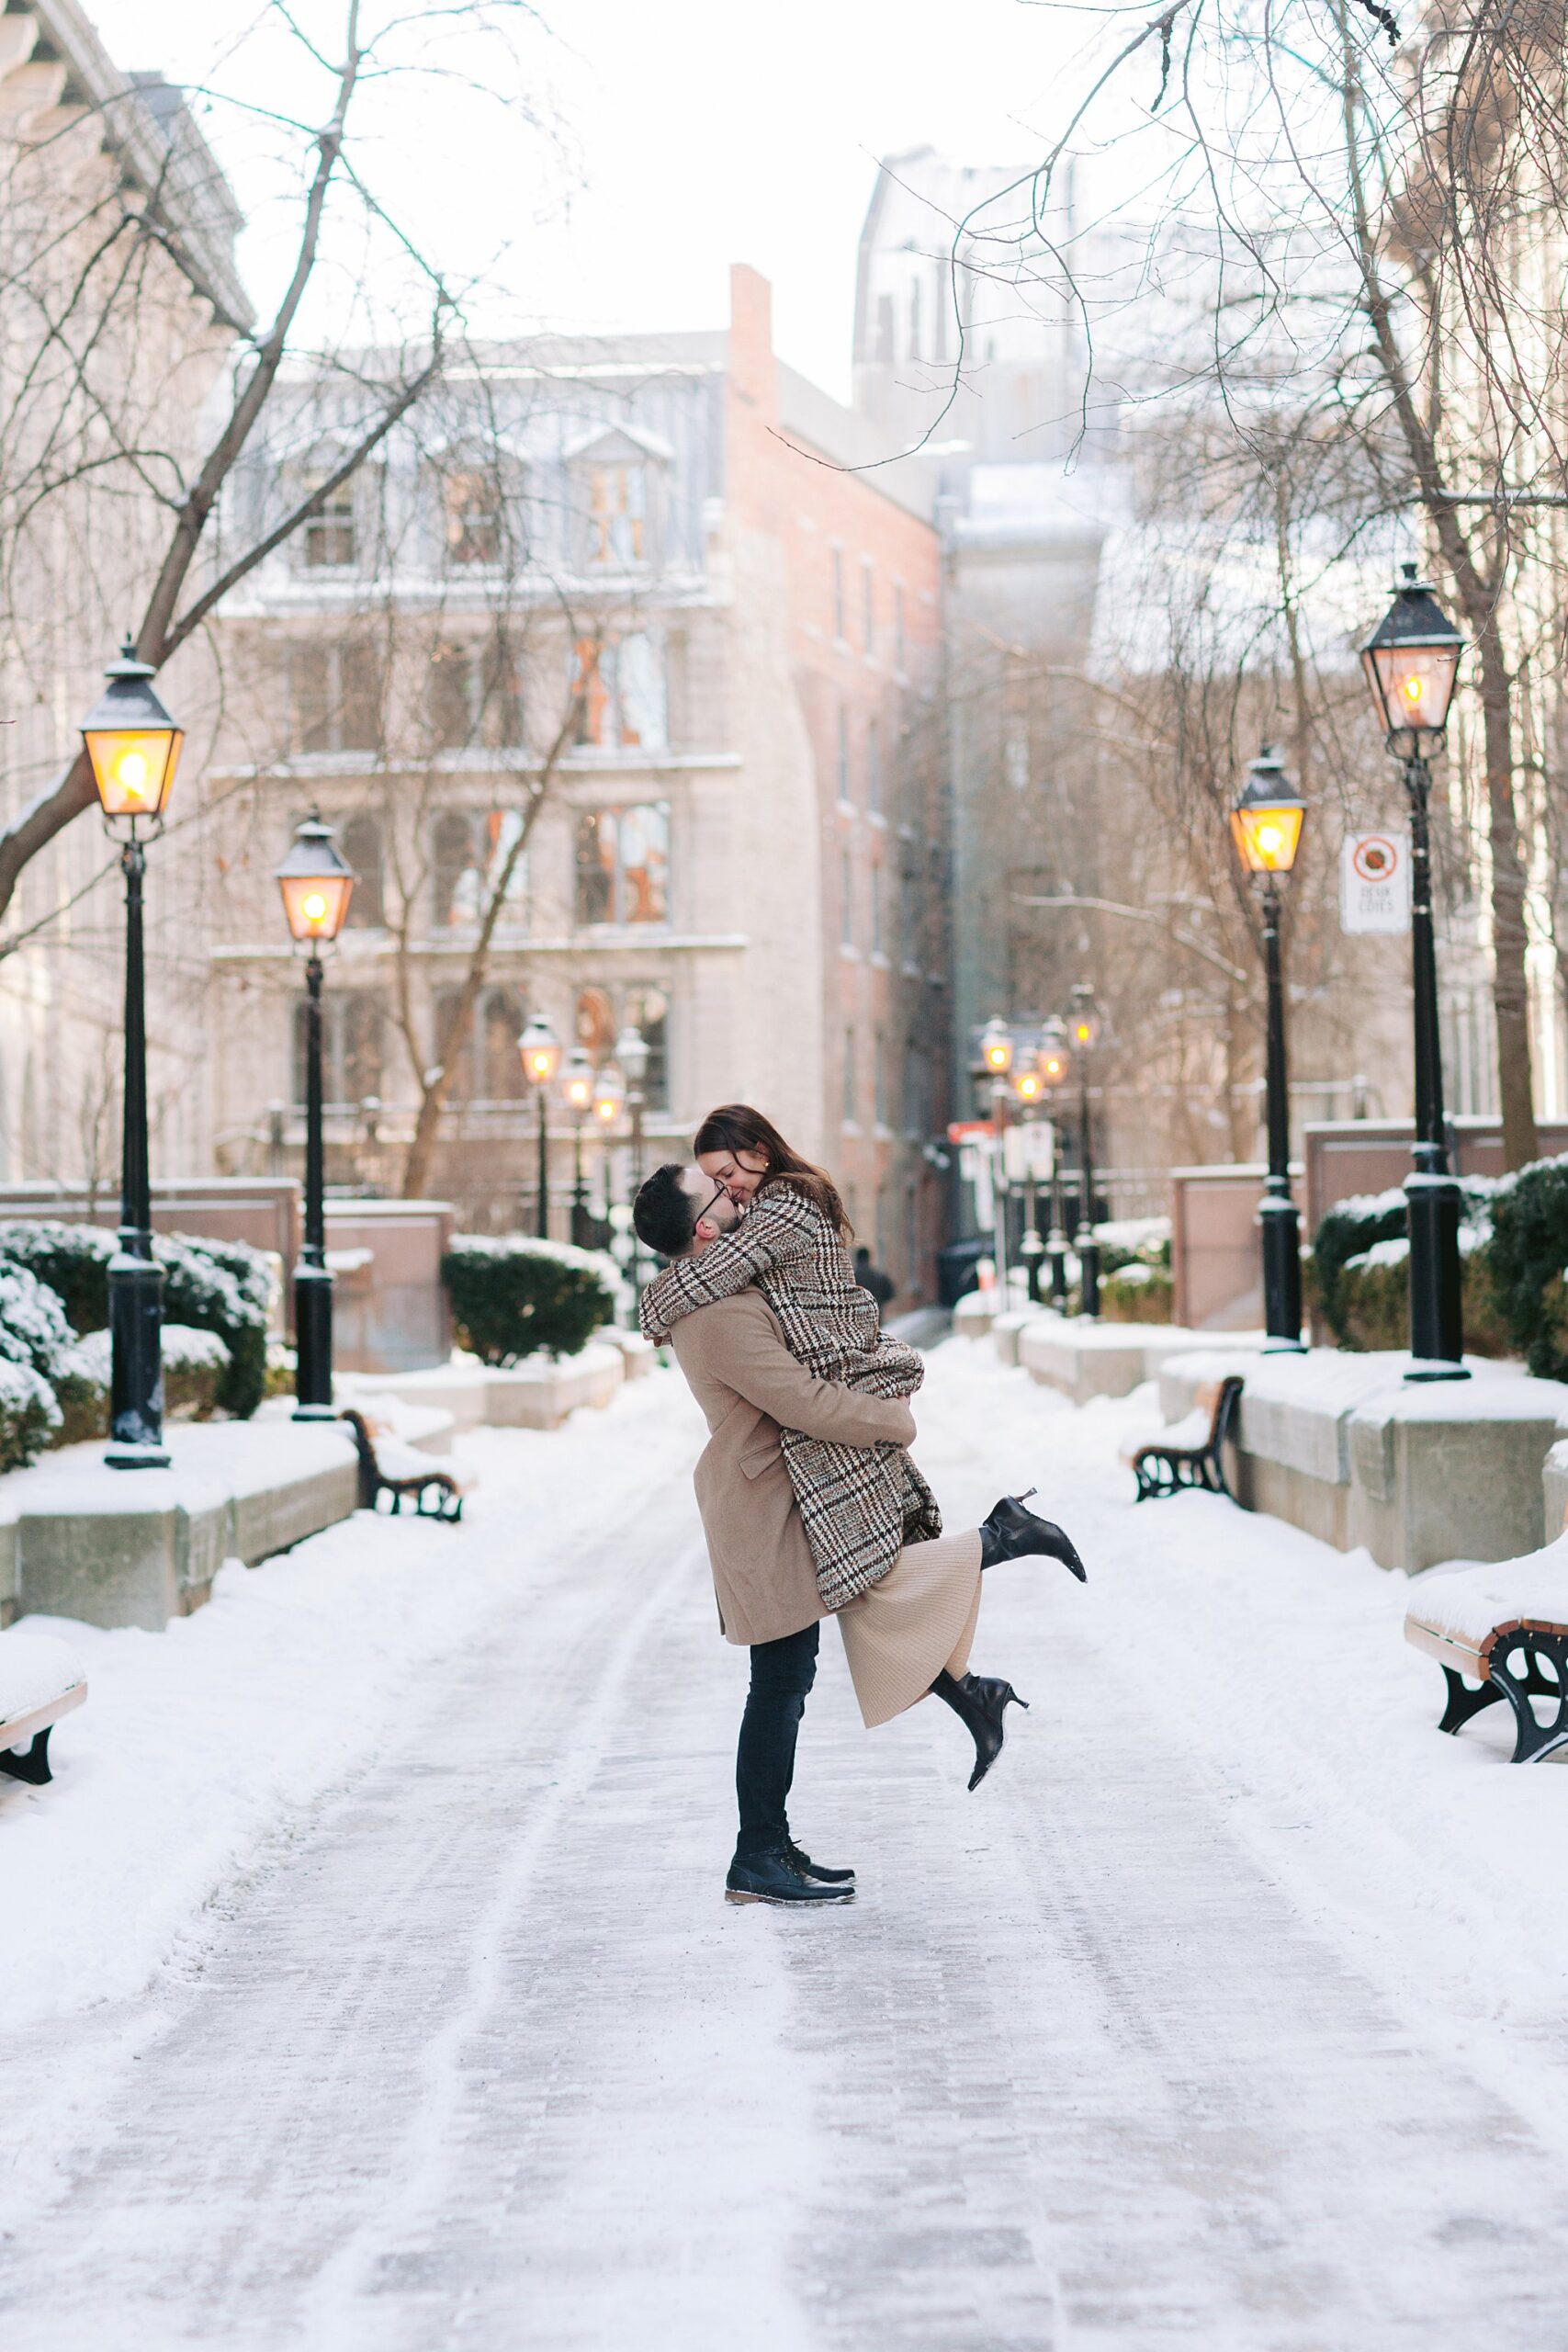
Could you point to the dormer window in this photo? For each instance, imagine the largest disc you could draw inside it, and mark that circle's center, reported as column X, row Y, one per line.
column 617, row 511
column 618, row 474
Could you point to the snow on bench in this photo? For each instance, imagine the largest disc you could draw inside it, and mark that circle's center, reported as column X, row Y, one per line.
column 1504, row 1628
column 39, row 1682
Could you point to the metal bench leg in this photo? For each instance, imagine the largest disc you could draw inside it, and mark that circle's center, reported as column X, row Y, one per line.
column 1463, row 1703
column 33, row 1767
column 1533, row 1740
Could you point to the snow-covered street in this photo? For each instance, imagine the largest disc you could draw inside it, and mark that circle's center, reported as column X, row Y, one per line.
column 1227, row 2013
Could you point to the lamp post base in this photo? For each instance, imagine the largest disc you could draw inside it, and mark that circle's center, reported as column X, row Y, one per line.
column 1427, row 1368
column 122, row 1454
column 313, row 1344
column 136, row 1380
column 1277, row 1347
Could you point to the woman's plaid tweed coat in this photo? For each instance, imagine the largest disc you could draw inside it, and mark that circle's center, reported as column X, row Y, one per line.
column 860, row 1505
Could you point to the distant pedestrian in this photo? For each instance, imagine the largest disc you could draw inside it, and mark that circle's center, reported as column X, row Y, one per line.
column 882, row 1286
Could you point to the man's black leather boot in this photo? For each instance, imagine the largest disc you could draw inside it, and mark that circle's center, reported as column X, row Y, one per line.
column 817, row 1870
column 771, row 1878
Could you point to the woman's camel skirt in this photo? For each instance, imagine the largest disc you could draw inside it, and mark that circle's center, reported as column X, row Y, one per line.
column 920, row 1617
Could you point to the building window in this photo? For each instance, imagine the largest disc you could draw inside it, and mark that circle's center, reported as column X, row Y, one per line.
column 623, row 863
column 361, row 845
column 353, row 1028
column 846, row 900
column 643, row 1006
column 868, row 604
column 873, row 767
column 500, row 1029
column 849, row 1106
column 335, row 693
column 623, row 703
column 472, row 502
column 879, row 1076
column 877, row 909
column 330, row 539
column 915, row 320
column 617, row 515
column 842, row 754
column 475, row 697
column 469, row 850
column 900, row 649
column 839, row 629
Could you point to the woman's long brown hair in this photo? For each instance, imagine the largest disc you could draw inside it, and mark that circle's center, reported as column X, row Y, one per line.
column 735, row 1126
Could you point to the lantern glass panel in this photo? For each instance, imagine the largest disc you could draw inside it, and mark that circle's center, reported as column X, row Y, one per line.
column 1267, row 837
column 133, row 767
column 315, row 904
column 1413, row 684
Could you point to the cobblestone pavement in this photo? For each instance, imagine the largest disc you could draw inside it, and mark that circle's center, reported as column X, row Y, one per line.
column 482, row 2062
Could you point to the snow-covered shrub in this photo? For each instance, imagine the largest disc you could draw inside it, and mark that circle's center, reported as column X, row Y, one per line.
column 28, row 1414
column 1527, row 1253
column 35, row 1349
column 1372, row 1296
column 1134, row 1241
column 220, row 1286
column 513, row 1298
column 72, row 1260
column 1136, row 1293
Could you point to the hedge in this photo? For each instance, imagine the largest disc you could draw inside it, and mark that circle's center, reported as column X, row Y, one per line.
column 219, row 1286
column 1527, row 1255
column 513, row 1297
column 195, row 1366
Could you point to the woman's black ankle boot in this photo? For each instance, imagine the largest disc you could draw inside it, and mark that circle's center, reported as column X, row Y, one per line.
column 1012, row 1532
column 979, row 1701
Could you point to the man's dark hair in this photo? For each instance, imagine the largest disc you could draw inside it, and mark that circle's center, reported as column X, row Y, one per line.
column 664, row 1213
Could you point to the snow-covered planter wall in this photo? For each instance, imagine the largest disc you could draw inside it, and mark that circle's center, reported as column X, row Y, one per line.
column 513, row 1297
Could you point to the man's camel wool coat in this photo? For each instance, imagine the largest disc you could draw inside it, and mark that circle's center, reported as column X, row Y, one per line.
column 750, row 1387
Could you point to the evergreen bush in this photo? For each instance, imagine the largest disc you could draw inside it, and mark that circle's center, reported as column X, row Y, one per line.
column 1525, row 1260
column 513, row 1297
column 1136, row 1293
column 218, row 1286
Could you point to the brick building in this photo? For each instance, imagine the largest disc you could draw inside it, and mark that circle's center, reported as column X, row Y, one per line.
column 743, row 844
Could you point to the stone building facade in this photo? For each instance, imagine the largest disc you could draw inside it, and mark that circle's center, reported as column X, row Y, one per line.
column 119, row 305
column 633, row 567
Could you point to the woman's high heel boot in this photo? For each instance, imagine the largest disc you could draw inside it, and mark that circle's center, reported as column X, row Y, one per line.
column 979, row 1701
column 1012, row 1532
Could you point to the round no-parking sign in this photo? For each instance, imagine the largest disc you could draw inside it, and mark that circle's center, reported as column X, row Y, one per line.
column 1374, row 882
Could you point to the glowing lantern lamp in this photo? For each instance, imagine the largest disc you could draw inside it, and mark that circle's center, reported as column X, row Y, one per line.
column 996, row 1047
column 1267, row 819
column 132, row 742
column 317, row 883
column 540, row 1049
column 1412, row 661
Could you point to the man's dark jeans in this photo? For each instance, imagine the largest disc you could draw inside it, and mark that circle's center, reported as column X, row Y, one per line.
column 781, row 1673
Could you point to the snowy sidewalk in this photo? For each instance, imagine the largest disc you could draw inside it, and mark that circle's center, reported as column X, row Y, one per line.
column 1219, row 2016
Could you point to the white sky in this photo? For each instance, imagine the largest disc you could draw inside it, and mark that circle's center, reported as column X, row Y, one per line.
column 693, row 133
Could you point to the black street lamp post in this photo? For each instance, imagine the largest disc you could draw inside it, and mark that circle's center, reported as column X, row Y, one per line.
column 1054, row 1066
column 577, row 1084
column 1084, row 1031
column 996, row 1052
column 134, row 747
column 1412, row 661
column 540, row 1050
column 632, row 1055
column 1267, row 823
column 1029, row 1087
column 317, row 884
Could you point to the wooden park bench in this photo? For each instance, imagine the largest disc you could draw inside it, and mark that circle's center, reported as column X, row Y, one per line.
column 1504, row 1629
column 1190, row 1451
column 39, row 1682
column 389, row 1467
